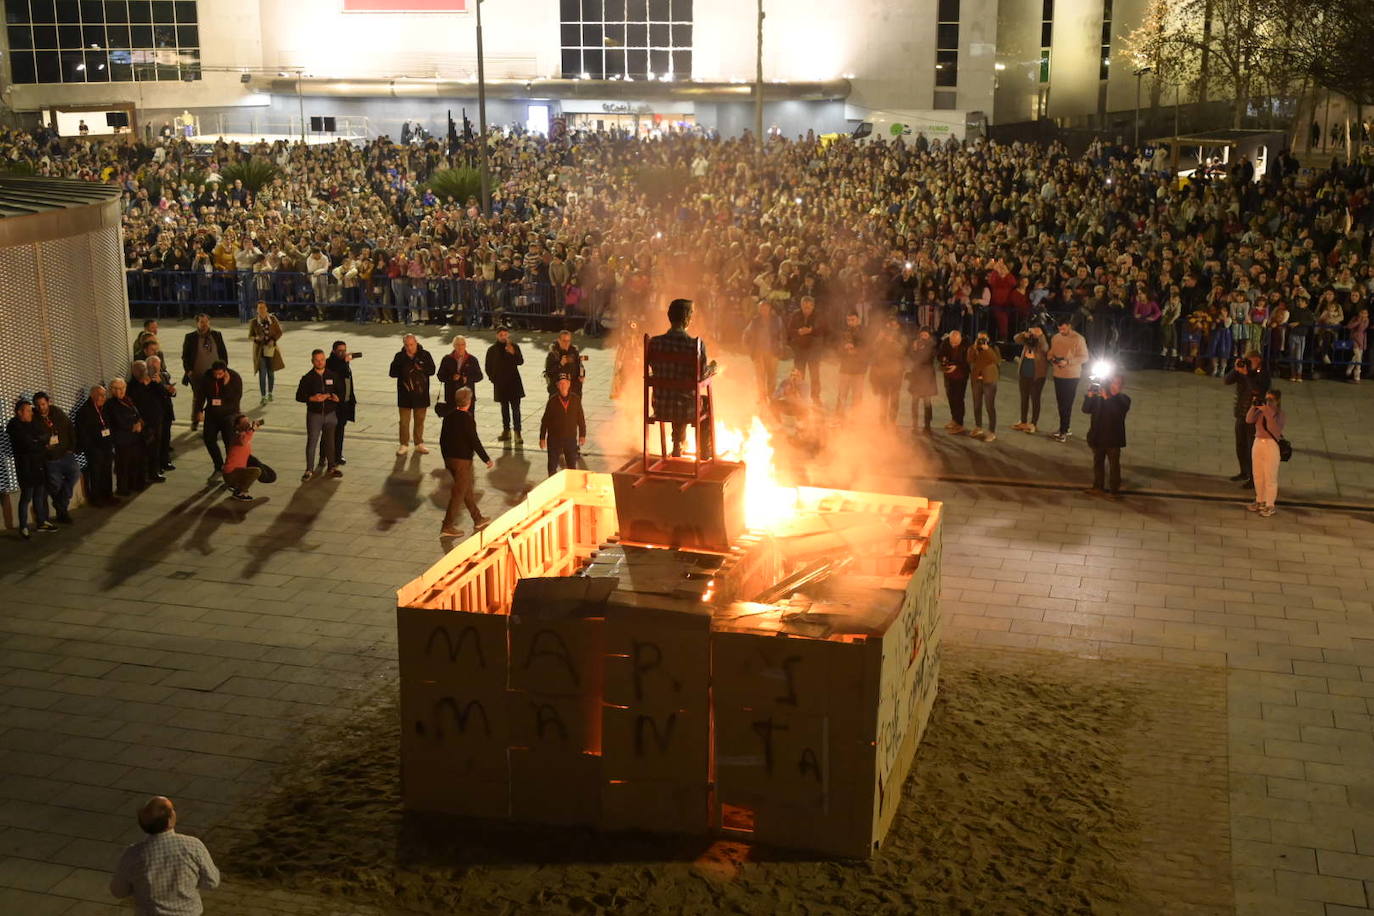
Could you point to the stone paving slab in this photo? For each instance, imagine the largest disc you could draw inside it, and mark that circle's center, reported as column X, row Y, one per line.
column 179, row 644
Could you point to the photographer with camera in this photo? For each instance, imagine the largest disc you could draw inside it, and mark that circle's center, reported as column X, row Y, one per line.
column 1268, row 419
column 241, row 470
column 953, row 356
column 1251, row 381
column 982, row 362
column 1108, row 407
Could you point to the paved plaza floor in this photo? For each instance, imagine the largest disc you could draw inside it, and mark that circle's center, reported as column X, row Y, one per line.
column 179, row 644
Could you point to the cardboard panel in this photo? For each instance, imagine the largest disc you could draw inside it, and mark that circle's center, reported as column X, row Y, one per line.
column 548, row 788
column 788, row 674
column 453, row 752
column 706, row 514
column 839, row 833
column 910, row 667
column 672, row 746
column 658, row 807
column 552, row 723
column 767, row 758
column 460, row 650
column 556, row 635
column 658, row 655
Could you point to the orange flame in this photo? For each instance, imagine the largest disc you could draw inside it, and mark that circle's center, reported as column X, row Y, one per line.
column 767, row 502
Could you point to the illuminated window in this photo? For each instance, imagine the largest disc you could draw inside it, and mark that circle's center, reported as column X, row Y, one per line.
column 947, row 43
column 1105, row 67
column 101, row 41
column 1046, row 38
column 635, row 39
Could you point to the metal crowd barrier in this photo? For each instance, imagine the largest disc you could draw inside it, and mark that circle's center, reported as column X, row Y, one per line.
column 299, row 296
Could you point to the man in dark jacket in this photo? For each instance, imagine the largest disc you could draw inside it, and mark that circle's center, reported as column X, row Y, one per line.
column 95, row 439
column 27, row 445
column 1106, row 431
column 563, row 427
column 340, row 363
column 412, row 367
column 319, row 391
column 1251, row 381
column 217, row 402
column 806, row 335
column 151, row 402
column 460, row 369
column 200, row 350
column 953, row 356
column 504, row 360
column 564, row 359
column 127, row 425
column 458, row 441
column 59, row 436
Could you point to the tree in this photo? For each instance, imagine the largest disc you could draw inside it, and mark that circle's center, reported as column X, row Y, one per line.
column 1216, row 46
column 1330, row 44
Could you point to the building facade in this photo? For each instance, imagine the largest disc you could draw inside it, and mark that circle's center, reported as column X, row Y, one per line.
column 257, row 67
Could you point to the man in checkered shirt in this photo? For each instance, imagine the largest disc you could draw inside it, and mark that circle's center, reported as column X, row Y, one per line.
column 677, row 357
column 166, row 871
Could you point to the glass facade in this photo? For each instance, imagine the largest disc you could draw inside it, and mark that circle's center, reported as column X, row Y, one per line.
column 947, row 43
column 101, row 41
column 635, row 39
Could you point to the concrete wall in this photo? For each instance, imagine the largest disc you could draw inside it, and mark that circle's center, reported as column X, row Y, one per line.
column 521, row 39
column 1018, row 51
column 1076, row 58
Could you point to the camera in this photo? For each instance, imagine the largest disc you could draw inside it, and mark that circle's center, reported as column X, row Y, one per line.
column 355, row 355
column 1242, row 363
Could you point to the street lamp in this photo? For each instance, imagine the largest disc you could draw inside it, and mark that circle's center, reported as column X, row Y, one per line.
column 758, row 83
column 1139, row 73
column 485, row 163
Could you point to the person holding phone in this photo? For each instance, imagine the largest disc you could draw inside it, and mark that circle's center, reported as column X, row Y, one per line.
column 954, row 365
column 503, row 363
column 983, row 360
column 265, row 332
column 1267, row 416
column 340, row 363
column 1251, row 381
column 319, row 390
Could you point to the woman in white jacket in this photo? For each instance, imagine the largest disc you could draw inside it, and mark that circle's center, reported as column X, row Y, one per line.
column 317, row 267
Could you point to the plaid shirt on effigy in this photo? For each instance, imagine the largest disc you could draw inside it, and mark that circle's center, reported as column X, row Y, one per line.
column 675, row 357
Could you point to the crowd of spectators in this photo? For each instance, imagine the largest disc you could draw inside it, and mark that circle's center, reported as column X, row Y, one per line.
column 979, row 236
column 811, row 249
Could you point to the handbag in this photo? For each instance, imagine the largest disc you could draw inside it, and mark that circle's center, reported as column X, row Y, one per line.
column 1285, row 447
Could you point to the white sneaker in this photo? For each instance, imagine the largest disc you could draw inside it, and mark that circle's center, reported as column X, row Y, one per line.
column 1267, row 511
column 401, row 450
column 989, row 437
column 421, row 450
column 977, row 432
column 1030, row 428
